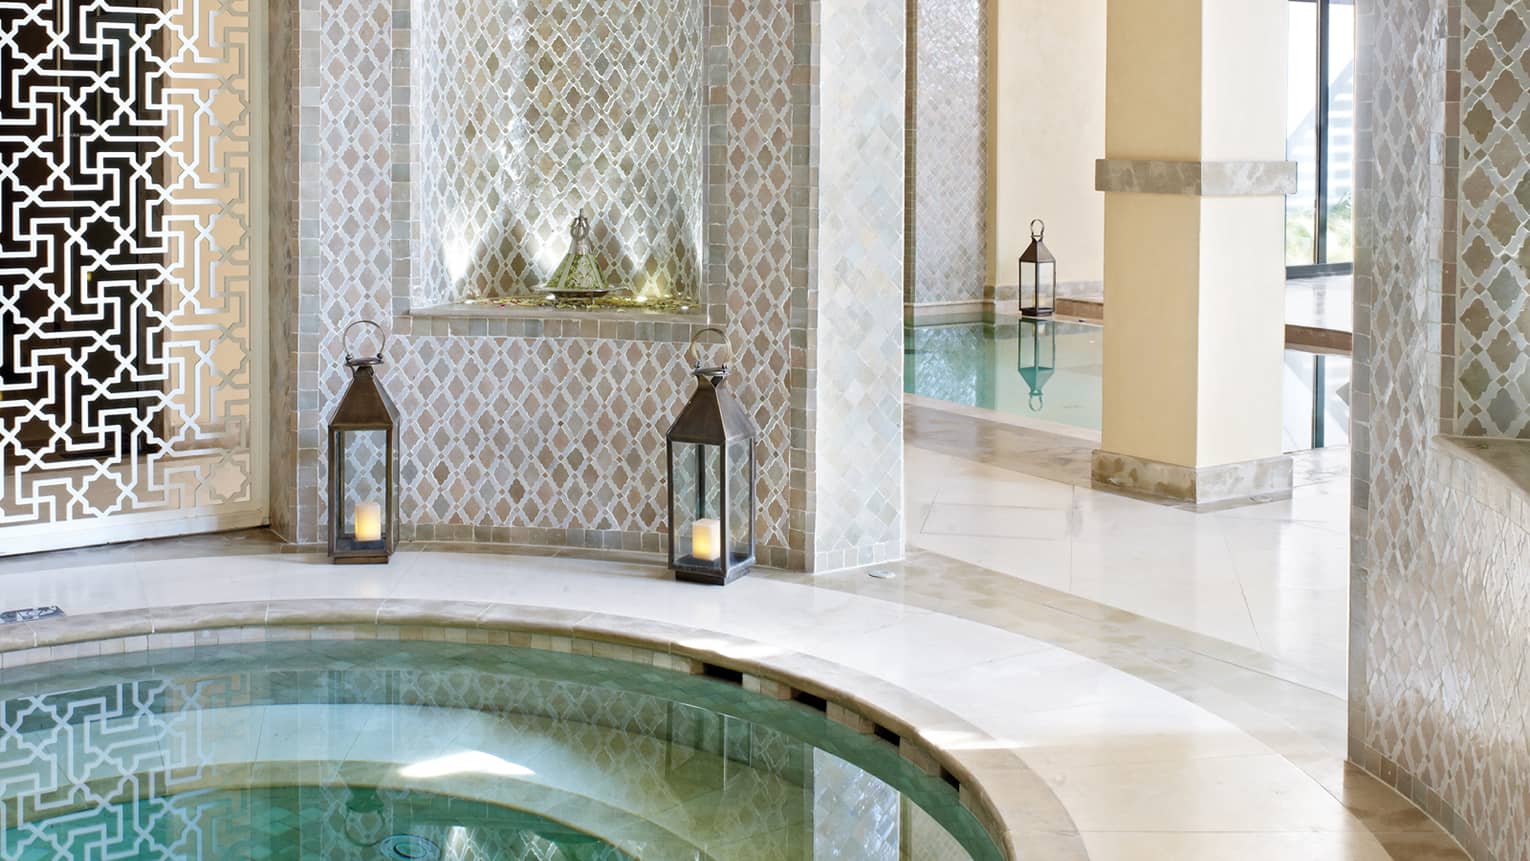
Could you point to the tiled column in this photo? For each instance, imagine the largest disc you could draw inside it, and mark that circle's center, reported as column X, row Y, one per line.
column 851, row 310
column 1195, row 175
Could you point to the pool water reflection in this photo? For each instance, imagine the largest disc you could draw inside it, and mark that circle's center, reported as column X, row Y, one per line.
column 427, row 750
column 1052, row 371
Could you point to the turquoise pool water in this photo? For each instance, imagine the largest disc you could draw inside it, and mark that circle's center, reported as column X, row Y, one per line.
column 414, row 751
column 1052, row 371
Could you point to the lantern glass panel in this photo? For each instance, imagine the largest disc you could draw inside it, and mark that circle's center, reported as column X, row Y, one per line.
column 1038, row 285
column 740, row 500
column 697, row 489
column 364, row 491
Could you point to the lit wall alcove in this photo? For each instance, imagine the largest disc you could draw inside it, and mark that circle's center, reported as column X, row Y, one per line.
column 428, row 152
column 523, row 114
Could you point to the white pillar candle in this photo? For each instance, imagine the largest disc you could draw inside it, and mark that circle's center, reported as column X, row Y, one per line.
column 368, row 521
column 706, row 536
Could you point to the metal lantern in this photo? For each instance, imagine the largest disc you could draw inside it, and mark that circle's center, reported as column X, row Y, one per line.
column 712, row 473
column 363, row 465
column 1038, row 358
column 1038, row 275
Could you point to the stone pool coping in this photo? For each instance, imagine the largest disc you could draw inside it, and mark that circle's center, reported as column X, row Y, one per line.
column 1012, row 803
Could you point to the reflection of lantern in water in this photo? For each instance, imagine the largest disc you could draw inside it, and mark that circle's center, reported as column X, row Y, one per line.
column 1038, row 357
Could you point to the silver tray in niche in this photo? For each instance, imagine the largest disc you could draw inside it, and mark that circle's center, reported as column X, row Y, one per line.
column 579, row 294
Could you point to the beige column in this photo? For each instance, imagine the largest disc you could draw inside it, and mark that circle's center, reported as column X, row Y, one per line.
column 1195, row 177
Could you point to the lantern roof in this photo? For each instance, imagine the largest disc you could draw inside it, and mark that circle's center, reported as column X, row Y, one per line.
column 1037, row 253
column 713, row 416
column 365, row 404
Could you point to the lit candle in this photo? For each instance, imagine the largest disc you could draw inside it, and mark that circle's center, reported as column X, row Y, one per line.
column 368, row 521
column 706, row 535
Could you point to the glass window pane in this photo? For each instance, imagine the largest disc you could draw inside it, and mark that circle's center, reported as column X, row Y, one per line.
column 1301, row 134
column 1341, row 133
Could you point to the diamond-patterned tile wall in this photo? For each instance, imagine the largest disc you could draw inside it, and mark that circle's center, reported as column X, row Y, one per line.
column 523, row 122
column 859, row 348
column 1493, row 351
column 1439, row 603
column 550, row 431
column 948, row 151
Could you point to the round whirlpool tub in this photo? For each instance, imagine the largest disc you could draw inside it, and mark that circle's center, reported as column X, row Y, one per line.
column 436, row 751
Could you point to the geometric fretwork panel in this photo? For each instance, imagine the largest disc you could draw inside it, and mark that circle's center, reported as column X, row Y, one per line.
column 125, row 258
column 529, row 113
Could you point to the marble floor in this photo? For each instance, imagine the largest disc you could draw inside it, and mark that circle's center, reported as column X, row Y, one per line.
column 1269, row 576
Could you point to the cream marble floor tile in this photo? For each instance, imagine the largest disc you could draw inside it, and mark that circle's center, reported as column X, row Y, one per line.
column 1227, row 574
column 922, row 645
column 96, row 588
column 1158, row 846
column 1133, row 725
column 993, row 521
column 1200, row 593
column 1233, row 793
column 998, row 487
column 1044, row 561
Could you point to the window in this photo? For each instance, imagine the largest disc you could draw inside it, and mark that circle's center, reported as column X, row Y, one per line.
column 1320, row 137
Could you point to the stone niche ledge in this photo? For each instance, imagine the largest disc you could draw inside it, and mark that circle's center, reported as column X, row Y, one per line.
column 1494, row 471
column 493, row 321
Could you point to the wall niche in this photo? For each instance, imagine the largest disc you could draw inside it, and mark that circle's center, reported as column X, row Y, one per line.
column 526, row 113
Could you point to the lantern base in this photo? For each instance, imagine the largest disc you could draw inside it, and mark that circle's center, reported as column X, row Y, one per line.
column 689, row 569
column 346, row 550
column 359, row 560
column 1037, row 312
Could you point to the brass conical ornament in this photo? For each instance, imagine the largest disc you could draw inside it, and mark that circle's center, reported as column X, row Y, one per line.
column 578, row 276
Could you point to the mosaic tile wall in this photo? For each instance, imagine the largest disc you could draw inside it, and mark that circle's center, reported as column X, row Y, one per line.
column 547, row 431
column 859, row 472
column 1438, row 699
column 527, row 113
column 948, row 151
column 1492, row 338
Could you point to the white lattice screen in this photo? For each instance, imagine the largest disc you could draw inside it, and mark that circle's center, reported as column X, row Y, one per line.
column 129, row 353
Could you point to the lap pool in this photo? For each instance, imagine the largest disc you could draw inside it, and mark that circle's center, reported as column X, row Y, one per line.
column 1051, row 371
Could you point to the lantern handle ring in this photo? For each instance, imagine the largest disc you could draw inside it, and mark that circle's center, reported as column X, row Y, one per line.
column 345, row 341
column 1037, row 234
column 690, row 351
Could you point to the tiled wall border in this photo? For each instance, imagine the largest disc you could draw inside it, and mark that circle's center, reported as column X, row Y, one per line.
column 993, row 784
column 806, row 17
